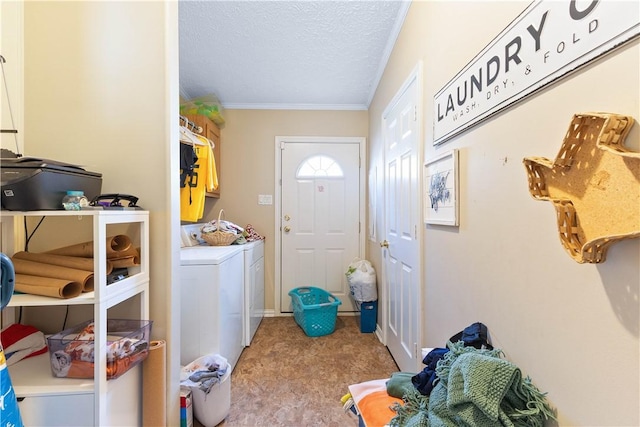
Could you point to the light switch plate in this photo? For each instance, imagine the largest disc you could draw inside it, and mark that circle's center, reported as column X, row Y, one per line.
column 265, row 199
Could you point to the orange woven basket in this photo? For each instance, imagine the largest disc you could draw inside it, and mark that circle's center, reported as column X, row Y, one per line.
column 219, row 238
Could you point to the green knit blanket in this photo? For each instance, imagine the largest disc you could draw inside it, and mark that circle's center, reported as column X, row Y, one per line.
column 476, row 388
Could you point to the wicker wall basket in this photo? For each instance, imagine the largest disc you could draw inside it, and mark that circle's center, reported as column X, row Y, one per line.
column 219, row 238
column 593, row 183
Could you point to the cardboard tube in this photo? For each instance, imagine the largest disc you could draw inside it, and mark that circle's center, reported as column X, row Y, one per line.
column 154, row 386
column 47, row 286
column 130, row 252
column 32, row 268
column 115, row 244
column 129, row 261
column 78, row 263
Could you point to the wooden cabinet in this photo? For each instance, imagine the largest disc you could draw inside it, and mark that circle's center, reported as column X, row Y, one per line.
column 212, row 132
column 113, row 402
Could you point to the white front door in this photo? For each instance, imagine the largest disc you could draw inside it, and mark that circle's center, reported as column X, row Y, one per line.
column 319, row 215
column 401, row 240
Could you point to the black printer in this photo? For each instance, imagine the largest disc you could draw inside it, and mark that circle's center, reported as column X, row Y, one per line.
column 32, row 184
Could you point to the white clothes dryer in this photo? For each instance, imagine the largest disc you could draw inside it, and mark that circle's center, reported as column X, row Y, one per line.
column 253, row 288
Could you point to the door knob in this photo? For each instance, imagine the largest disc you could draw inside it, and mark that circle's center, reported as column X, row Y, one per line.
column 384, row 244
column 287, row 229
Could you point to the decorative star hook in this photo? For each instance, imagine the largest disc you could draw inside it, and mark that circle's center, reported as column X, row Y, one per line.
column 594, row 185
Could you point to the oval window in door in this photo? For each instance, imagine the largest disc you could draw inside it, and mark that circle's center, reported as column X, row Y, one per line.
column 319, row 166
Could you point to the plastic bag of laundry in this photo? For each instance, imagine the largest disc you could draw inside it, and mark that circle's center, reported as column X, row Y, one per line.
column 361, row 277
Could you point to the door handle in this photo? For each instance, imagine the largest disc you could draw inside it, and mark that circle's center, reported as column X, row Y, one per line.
column 287, row 229
column 384, row 244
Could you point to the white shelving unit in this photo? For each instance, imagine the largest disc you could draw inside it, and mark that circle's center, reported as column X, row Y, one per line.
column 32, row 377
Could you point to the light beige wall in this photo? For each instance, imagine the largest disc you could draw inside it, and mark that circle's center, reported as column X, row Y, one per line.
column 248, row 165
column 572, row 327
column 11, row 111
column 101, row 91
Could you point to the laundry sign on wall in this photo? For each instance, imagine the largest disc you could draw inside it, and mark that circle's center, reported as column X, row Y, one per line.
column 546, row 42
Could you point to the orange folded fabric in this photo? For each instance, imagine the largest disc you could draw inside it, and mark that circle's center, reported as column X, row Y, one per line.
column 375, row 408
column 373, row 402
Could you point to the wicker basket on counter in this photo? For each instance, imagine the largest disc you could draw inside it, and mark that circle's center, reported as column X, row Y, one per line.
column 218, row 237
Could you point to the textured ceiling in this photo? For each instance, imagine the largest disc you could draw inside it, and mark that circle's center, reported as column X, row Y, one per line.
column 287, row 54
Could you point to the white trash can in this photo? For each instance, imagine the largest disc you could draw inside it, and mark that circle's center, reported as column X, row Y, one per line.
column 213, row 407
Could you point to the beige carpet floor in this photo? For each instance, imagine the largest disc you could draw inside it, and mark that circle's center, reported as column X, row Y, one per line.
column 286, row 378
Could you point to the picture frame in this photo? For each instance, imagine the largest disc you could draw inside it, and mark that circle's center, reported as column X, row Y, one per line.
column 441, row 189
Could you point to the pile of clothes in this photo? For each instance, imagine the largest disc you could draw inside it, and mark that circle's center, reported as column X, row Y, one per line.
column 244, row 235
column 468, row 383
column 21, row 342
column 204, row 373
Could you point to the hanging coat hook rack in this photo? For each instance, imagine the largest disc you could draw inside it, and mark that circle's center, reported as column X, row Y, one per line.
column 190, row 125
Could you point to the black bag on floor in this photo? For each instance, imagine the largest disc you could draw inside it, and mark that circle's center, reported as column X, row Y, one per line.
column 475, row 335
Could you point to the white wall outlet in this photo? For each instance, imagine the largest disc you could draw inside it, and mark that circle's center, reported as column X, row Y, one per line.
column 265, row 199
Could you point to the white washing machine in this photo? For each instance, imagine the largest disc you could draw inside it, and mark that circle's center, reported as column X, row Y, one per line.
column 253, row 288
column 211, row 302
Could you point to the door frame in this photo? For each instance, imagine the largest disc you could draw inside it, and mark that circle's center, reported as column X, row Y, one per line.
column 279, row 141
column 416, row 75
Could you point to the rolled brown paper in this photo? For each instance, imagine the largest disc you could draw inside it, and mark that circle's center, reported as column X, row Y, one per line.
column 154, row 386
column 129, row 261
column 115, row 244
column 32, row 268
column 78, row 263
column 131, row 251
column 47, row 286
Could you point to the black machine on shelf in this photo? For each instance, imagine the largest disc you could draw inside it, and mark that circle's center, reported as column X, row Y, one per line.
column 32, row 184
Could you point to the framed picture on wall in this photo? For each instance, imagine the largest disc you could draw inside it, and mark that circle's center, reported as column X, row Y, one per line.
column 441, row 189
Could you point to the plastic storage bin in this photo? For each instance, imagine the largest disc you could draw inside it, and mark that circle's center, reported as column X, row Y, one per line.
column 315, row 310
column 74, row 201
column 72, row 350
column 212, row 407
column 367, row 317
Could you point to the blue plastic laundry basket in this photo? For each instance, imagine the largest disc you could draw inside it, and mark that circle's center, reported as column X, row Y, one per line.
column 315, row 310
